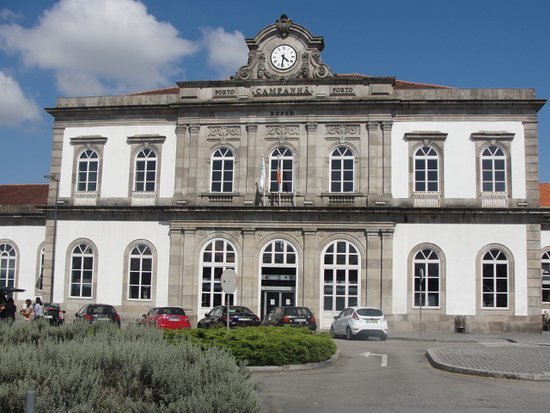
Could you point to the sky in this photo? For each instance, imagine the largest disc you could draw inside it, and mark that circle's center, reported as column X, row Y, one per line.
column 59, row 48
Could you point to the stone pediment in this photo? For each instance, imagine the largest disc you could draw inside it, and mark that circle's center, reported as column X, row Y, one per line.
column 299, row 50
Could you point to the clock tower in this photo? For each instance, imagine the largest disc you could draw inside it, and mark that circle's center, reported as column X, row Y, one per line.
column 284, row 51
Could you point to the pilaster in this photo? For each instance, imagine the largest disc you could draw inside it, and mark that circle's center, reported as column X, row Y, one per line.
column 182, row 161
column 193, row 156
column 386, row 158
column 531, row 163
column 309, row 282
column 252, row 164
column 534, row 299
column 313, row 163
column 375, row 160
column 379, row 278
column 190, row 297
column 248, row 279
column 175, row 274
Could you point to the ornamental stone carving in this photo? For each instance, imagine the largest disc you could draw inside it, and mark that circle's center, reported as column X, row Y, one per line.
column 224, row 131
column 343, row 130
column 283, row 130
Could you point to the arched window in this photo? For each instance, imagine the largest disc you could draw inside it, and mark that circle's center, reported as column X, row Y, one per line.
column 341, row 170
column 82, row 270
column 545, row 264
column 140, row 277
column 341, row 268
column 8, row 260
column 426, row 170
column 88, row 166
column 495, row 279
column 223, row 162
column 146, row 171
column 426, row 278
column 218, row 256
column 493, row 169
column 281, row 175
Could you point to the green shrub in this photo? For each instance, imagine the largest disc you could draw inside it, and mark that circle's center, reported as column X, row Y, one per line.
column 79, row 368
column 264, row 346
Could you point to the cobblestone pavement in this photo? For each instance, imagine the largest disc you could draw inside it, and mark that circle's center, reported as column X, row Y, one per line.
column 497, row 359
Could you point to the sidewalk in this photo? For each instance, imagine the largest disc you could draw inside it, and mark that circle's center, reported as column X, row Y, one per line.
column 514, row 356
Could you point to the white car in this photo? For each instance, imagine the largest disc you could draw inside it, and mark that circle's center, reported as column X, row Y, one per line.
column 360, row 322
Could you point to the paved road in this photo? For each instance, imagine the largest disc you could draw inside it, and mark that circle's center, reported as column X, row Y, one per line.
column 408, row 383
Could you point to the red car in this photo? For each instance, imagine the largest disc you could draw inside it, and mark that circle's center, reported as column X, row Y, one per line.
column 166, row 318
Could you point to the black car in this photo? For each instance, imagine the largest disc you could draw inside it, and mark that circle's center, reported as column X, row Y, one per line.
column 291, row 316
column 54, row 314
column 93, row 313
column 238, row 317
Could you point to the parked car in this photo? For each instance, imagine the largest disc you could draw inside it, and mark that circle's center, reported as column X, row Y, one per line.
column 291, row 316
column 166, row 318
column 239, row 316
column 360, row 322
column 54, row 314
column 93, row 313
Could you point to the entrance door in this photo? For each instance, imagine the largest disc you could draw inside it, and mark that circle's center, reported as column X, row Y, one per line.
column 272, row 299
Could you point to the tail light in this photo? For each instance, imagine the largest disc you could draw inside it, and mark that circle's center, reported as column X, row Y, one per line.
column 285, row 320
column 256, row 318
column 88, row 317
column 117, row 318
column 312, row 320
column 355, row 316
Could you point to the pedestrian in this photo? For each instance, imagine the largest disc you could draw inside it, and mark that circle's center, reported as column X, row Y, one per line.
column 27, row 311
column 10, row 310
column 38, row 308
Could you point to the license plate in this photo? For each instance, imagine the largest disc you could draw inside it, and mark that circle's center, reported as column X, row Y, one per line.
column 372, row 321
column 300, row 320
column 243, row 318
column 173, row 319
column 103, row 319
column 48, row 316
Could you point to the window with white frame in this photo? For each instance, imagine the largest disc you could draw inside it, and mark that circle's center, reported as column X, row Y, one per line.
column 82, row 270
column 495, row 279
column 145, row 171
column 427, row 279
column 279, row 262
column 342, row 170
column 223, row 163
column 8, row 261
column 217, row 256
column 281, row 175
column 341, row 268
column 493, row 169
column 426, row 170
column 87, row 175
column 140, row 273
column 545, row 264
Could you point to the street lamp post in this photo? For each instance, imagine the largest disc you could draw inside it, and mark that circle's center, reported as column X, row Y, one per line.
column 53, row 177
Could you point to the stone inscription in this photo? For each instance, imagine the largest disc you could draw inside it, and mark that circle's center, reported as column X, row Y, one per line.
column 342, row 90
column 283, row 91
column 225, row 93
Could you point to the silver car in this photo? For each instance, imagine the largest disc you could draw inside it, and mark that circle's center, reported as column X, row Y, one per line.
column 360, row 322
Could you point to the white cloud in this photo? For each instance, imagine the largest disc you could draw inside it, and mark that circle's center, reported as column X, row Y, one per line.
column 15, row 107
column 9, row 15
column 99, row 46
column 226, row 51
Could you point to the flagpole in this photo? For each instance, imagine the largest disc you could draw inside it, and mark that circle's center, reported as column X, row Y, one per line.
column 279, row 178
column 263, row 183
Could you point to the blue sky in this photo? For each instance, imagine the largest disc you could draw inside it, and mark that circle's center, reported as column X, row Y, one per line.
column 53, row 48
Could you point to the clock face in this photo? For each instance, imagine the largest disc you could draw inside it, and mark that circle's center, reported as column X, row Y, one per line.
column 283, row 57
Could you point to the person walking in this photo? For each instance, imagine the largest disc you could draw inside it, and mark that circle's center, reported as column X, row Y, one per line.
column 10, row 309
column 27, row 311
column 38, row 308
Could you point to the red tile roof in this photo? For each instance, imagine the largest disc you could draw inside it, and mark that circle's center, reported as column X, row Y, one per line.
column 544, row 193
column 24, row 194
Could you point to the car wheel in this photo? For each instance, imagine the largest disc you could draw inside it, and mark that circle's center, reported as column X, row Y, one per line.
column 349, row 336
column 384, row 337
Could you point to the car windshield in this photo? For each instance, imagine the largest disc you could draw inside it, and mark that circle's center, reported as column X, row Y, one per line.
column 369, row 312
column 172, row 311
column 101, row 310
column 297, row 311
column 237, row 310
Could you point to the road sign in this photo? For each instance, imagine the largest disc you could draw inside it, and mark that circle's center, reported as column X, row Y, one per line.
column 229, row 281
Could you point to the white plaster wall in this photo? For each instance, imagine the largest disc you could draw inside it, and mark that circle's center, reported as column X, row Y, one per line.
column 544, row 239
column 27, row 241
column 115, row 173
column 460, row 244
column 459, row 158
column 111, row 239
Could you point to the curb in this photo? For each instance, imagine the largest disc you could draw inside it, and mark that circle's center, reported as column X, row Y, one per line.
column 436, row 362
column 296, row 367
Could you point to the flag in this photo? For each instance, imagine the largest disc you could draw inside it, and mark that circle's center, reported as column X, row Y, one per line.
column 279, row 177
column 261, row 181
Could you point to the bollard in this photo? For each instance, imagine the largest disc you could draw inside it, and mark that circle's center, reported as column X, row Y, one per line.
column 30, row 401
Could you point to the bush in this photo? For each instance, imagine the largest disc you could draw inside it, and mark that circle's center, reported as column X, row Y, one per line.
column 79, row 368
column 265, row 346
